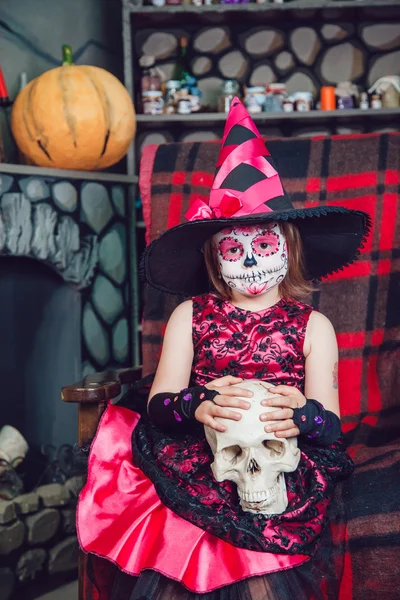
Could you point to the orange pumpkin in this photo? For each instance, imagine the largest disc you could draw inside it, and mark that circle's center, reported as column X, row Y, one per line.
column 74, row 117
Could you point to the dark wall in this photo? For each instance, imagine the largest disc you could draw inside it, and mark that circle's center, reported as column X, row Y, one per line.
column 40, row 351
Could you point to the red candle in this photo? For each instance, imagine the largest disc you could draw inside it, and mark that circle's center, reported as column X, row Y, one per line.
column 3, row 87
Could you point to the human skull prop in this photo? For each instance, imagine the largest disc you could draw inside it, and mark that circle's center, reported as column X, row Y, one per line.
column 254, row 459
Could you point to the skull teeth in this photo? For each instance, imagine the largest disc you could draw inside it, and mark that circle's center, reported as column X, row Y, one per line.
column 259, row 496
column 257, row 276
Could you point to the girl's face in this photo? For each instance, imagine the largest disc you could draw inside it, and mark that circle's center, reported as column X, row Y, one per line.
column 252, row 259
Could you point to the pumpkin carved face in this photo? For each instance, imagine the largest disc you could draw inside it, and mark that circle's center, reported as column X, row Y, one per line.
column 74, row 117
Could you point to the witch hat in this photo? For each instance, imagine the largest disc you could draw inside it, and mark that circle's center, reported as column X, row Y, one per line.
column 247, row 190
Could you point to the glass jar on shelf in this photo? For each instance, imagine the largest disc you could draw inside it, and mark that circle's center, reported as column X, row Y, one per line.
column 287, row 105
column 275, row 96
column 153, row 103
column 184, row 103
column 230, row 89
column 376, row 101
column 303, row 101
column 254, row 98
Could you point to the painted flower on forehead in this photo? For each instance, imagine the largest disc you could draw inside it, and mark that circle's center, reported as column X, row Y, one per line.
column 252, row 259
column 249, row 229
column 244, row 229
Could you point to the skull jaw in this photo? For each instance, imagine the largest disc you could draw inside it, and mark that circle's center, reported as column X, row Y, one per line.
column 272, row 502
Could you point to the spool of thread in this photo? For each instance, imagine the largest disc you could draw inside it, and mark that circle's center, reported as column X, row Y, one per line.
column 328, row 98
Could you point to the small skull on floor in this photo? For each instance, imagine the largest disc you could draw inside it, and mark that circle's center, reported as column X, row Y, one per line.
column 254, row 459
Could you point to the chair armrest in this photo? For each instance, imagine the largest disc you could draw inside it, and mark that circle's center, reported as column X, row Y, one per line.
column 100, row 387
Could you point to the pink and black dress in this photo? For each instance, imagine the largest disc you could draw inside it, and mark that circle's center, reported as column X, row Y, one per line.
column 152, row 507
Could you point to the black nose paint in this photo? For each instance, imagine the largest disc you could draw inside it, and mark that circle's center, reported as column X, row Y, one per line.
column 250, row 261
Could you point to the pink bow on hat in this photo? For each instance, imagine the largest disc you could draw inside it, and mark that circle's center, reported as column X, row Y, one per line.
column 227, row 203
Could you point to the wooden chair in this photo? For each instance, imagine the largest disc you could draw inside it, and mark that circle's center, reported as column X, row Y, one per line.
column 92, row 394
column 367, row 335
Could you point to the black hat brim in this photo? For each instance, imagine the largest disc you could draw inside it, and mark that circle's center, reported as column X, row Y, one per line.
column 332, row 237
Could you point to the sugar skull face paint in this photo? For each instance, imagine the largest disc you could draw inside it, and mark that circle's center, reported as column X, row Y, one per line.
column 252, row 259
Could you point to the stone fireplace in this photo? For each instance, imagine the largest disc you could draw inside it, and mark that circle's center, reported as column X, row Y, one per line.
column 65, row 300
column 64, row 292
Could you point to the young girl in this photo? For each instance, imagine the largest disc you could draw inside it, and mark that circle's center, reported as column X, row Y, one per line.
column 151, row 504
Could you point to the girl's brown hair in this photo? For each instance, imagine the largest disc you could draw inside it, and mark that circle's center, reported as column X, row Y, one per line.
column 294, row 285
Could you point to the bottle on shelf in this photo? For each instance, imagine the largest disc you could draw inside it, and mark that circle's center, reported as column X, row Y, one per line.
column 364, row 102
column 182, row 67
column 150, row 79
column 376, row 101
column 230, row 89
column 150, row 85
column 184, row 103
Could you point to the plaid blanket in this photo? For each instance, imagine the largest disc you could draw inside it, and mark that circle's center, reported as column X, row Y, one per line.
column 363, row 303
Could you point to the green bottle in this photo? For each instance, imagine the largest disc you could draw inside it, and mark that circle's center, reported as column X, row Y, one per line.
column 182, row 69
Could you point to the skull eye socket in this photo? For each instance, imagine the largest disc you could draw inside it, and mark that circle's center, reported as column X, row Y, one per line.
column 232, row 453
column 275, row 447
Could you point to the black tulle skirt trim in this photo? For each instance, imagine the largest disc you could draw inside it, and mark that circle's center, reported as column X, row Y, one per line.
column 317, row 579
column 299, row 585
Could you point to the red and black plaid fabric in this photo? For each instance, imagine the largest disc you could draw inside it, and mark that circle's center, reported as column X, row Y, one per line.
column 362, row 301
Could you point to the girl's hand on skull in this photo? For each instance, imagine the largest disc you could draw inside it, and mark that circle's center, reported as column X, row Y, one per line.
column 289, row 399
column 228, row 396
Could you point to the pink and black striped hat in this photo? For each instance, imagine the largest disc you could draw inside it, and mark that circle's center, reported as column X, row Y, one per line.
column 247, row 190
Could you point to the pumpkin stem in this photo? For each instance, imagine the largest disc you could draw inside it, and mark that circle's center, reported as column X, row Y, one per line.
column 67, row 55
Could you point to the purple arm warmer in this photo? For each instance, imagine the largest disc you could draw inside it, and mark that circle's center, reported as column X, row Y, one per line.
column 170, row 411
column 319, row 425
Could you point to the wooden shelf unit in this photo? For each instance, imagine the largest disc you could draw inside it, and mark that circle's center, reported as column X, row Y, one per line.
column 212, row 118
column 136, row 16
